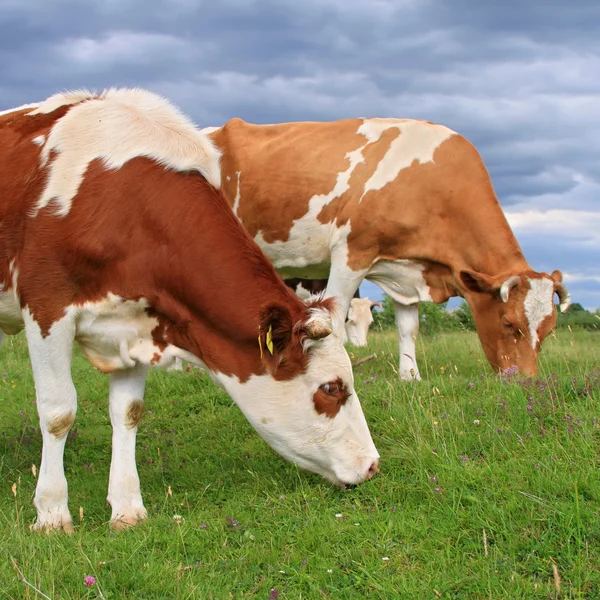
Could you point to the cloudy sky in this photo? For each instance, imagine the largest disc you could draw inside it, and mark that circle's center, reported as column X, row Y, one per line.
column 520, row 79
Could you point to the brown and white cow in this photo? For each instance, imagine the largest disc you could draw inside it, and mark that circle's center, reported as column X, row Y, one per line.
column 110, row 235
column 406, row 204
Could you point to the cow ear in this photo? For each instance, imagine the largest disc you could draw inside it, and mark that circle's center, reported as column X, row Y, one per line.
column 478, row 282
column 275, row 330
column 556, row 275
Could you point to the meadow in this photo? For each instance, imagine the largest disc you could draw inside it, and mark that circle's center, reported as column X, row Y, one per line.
column 489, row 488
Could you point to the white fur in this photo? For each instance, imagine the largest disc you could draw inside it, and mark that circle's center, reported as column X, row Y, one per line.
column 115, row 127
column 18, row 108
column 339, row 449
column 538, row 305
column 124, row 494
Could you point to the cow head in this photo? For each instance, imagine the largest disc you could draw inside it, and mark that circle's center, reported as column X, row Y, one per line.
column 359, row 320
column 305, row 406
column 514, row 314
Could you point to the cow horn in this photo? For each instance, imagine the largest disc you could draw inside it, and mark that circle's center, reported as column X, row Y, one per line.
column 315, row 330
column 563, row 296
column 509, row 284
column 376, row 304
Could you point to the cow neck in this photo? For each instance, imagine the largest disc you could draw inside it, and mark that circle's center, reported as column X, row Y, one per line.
column 215, row 283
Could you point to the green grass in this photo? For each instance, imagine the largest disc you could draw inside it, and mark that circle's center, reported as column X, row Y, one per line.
column 483, row 488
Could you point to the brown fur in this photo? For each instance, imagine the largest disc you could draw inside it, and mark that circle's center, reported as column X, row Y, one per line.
column 61, row 425
column 135, row 412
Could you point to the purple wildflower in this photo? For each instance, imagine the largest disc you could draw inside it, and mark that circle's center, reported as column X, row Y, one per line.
column 273, row 594
column 89, row 581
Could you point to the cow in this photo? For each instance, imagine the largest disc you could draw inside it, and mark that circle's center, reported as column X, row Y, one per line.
column 360, row 317
column 407, row 204
column 113, row 233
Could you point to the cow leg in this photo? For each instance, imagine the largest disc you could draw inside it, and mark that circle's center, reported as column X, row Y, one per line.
column 407, row 322
column 126, row 409
column 342, row 284
column 57, row 405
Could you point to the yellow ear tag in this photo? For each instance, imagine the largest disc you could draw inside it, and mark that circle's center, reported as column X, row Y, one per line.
column 270, row 339
column 260, row 343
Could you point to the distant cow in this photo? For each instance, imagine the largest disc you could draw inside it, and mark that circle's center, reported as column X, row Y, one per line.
column 406, row 204
column 360, row 317
column 110, row 235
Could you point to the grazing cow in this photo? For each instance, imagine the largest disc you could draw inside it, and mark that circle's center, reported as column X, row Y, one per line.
column 406, row 204
column 360, row 317
column 111, row 235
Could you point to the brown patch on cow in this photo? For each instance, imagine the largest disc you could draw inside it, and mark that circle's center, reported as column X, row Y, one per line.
column 330, row 403
column 135, row 412
column 59, row 427
column 282, row 167
column 155, row 358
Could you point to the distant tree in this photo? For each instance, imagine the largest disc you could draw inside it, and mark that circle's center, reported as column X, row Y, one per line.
column 384, row 319
column 465, row 316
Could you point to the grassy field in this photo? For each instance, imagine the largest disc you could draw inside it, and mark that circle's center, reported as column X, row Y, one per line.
column 489, row 488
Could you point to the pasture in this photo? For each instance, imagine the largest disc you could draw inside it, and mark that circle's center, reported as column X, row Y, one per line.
column 489, row 488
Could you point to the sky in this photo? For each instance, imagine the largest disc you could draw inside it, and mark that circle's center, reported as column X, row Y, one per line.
column 521, row 80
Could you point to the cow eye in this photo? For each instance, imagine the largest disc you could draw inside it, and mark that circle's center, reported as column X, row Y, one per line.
column 332, row 388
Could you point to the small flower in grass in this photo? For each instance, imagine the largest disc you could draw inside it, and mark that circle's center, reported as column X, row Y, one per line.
column 338, row 515
column 89, row 581
column 273, row 594
column 330, row 570
column 433, row 479
column 233, row 523
column 385, row 558
column 464, row 458
column 476, row 422
column 204, row 526
column 437, row 489
column 178, row 519
column 471, row 384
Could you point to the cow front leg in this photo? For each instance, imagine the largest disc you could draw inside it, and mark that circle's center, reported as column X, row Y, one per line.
column 342, row 284
column 57, row 404
column 126, row 410
column 407, row 322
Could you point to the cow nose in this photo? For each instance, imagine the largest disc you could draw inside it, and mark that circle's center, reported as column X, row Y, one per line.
column 374, row 468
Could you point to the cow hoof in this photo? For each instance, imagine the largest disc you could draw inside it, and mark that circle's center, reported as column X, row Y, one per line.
column 128, row 519
column 410, row 376
column 56, row 523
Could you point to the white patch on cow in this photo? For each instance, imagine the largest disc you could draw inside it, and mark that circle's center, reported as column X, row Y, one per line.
column 209, row 130
column 402, row 280
column 417, row 141
column 115, row 127
column 18, row 108
column 39, row 140
column 236, row 201
column 340, row 448
column 67, row 98
column 538, row 305
column 117, row 334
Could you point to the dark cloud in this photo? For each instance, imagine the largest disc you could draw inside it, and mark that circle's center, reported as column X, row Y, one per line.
column 519, row 79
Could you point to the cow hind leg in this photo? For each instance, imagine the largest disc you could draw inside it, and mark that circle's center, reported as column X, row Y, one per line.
column 57, row 404
column 407, row 322
column 126, row 410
